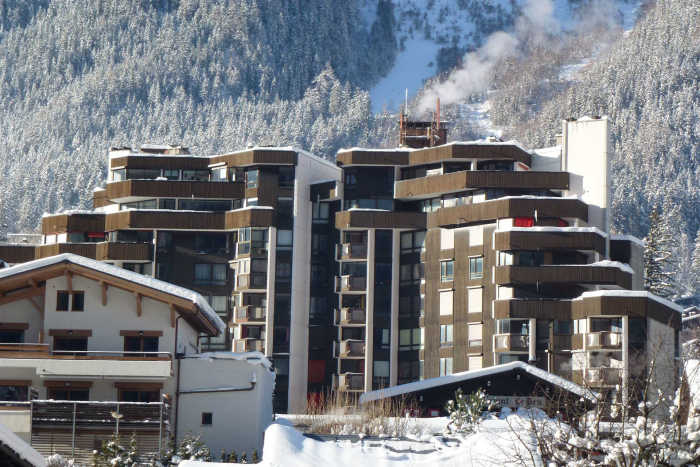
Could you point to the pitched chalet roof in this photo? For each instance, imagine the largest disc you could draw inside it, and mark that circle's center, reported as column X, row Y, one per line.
column 25, row 280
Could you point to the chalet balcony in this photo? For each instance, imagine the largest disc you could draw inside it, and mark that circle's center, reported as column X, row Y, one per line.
column 118, row 251
column 350, row 284
column 250, row 314
column 560, row 274
column 350, row 317
column 351, row 251
column 603, row 340
column 251, row 281
column 349, row 382
column 350, row 349
column 132, row 190
column 249, row 345
column 604, row 376
column 512, row 343
column 86, row 363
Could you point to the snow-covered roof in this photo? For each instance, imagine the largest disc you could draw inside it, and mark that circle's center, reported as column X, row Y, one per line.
column 691, row 317
column 20, row 447
column 630, row 238
column 114, row 271
column 283, row 148
column 368, row 209
column 477, row 142
column 599, row 264
column 554, row 152
column 473, row 374
column 72, row 211
column 631, row 294
column 553, row 229
column 254, row 358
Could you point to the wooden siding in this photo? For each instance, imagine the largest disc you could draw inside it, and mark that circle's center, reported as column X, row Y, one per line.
column 166, row 220
column 626, row 306
column 563, row 274
column 124, row 251
column 370, row 157
column 508, row 207
column 100, row 199
column 14, row 254
column 174, row 189
column 86, row 250
column 257, row 156
column 73, row 223
column 527, row 309
column 250, row 218
column 460, row 309
column 380, row 220
column 469, row 151
column 458, row 181
column 534, row 240
column 431, row 365
column 161, row 162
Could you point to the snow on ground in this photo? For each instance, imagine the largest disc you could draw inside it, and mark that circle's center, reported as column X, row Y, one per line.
column 495, row 445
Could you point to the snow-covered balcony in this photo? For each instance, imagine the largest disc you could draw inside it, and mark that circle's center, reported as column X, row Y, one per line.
column 56, row 363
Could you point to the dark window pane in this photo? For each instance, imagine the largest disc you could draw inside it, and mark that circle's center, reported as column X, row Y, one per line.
column 62, row 301
column 78, row 301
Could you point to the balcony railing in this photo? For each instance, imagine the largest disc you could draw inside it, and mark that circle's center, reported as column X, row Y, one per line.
column 249, row 345
column 251, row 281
column 349, row 316
column 350, row 349
column 250, row 313
column 347, row 251
column 604, row 375
column 507, row 342
column 350, row 284
column 603, row 339
column 349, row 382
column 38, row 351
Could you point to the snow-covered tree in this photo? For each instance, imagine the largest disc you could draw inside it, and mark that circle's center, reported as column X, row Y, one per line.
column 192, row 448
column 114, row 454
column 657, row 258
column 466, row 411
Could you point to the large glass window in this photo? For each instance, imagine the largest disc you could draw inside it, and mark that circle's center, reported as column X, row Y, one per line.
column 606, row 325
column 210, row 274
column 163, row 272
column 321, row 213
column 513, row 326
column 66, row 344
column 286, row 177
column 170, row 204
column 409, row 372
column 14, row 393
column 319, row 244
column 134, row 344
column 382, row 274
column 119, row 175
column 210, row 243
column 381, row 339
column 476, row 267
column 69, row 394
column 11, row 336
column 410, row 306
column 428, row 205
column 219, row 174
column 171, row 174
column 139, row 395
column 285, row 208
column 204, row 205
column 410, row 339
column 447, row 271
column 148, row 204
column 446, row 335
column 195, row 175
column 285, row 239
column 318, row 306
column 252, row 178
column 530, row 258
column 411, row 274
column 142, row 174
column 165, row 242
column 412, row 242
column 354, row 269
column 284, row 271
column 319, row 275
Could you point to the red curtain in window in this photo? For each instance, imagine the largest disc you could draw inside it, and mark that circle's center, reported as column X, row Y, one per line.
column 524, row 221
column 562, row 223
column 317, row 371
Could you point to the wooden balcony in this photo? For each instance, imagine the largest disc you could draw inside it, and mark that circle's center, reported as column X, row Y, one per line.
column 350, row 284
column 603, row 340
column 350, row 317
column 545, row 240
column 349, row 382
column 145, row 220
column 94, row 222
column 506, row 208
column 16, row 254
column 250, row 314
column 468, row 179
column 249, row 345
column 251, row 282
column 87, row 250
column 573, row 274
column 351, row 251
column 350, row 349
column 511, row 343
column 129, row 189
column 532, row 308
column 117, row 251
column 359, row 219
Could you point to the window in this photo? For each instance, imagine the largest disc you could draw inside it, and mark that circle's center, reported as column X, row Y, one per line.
column 446, row 335
column 119, row 175
column 606, row 325
column 283, row 303
column 252, row 178
column 350, row 180
column 319, row 275
column 134, row 344
column 165, row 242
column 219, row 174
column 195, row 175
column 496, row 165
column 236, row 174
column 67, row 345
column 69, row 394
column 428, row 205
column 321, row 213
column 211, row 243
column 139, row 395
column 446, row 271
column 62, row 301
column 14, row 393
column 286, row 177
column 78, row 301
column 358, row 269
column 496, row 194
column 476, row 267
column 382, row 305
column 11, row 337
column 410, row 339
column 350, row 203
column 410, row 306
column 505, row 258
column 163, row 272
column 250, row 202
column 475, row 300
column 284, row 272
column 171, row 174
column 167, row 204
column 148, row 204
column 512, row 326
column 280, row 339
column 319, row 244
column 207, row 419
column 445, row 366
column 475, row 334
column 204, row 205
column 381, row 339
column 382, row 273
column 381, row 369
column 503, row 358
column 253, row 239
column 411, row 274
column 562, row 328
column 385, row 239
column 144, row 174
column 210, row 274
column 446, row 302
column 318, row 306
column 530, row 258
column 409, row 372
column 285, row 208
column 284, row 239
column 412, row 242
column 219, row 303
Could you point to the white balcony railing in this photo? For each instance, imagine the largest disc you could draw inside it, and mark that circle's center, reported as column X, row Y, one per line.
column 249, row 345
column 512, row 342
column 251, row 281
column 603, row 339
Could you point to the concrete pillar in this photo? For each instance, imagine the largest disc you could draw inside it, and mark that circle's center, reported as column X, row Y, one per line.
column 532, row 358
column 394, row 333
column 271, row 274
column 369, row 329
column 625, row 358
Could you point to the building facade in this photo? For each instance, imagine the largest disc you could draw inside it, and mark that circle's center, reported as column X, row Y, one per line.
column 390, row 266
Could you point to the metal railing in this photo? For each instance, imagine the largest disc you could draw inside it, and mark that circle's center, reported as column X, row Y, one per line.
column 44, row 351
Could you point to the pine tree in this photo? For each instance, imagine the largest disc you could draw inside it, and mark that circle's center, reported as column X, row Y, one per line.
column 165, row 456
column 695, row 265
column 113, row 454
column 466, row 411
column 233, row 458
column 192, row 448
column 657, row 259
column 243, row 459
column 255, row 457
column 224, row 457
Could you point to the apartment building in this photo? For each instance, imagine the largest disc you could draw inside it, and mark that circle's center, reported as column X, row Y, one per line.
column 88, row 349
column 389, row 266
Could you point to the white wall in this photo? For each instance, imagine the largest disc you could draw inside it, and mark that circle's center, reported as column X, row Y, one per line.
column 239, row 418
